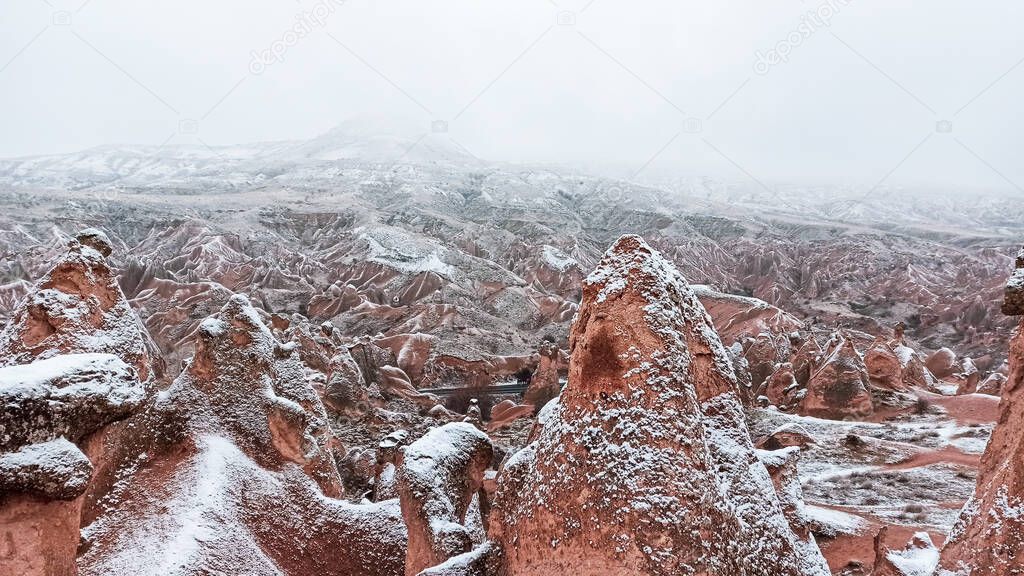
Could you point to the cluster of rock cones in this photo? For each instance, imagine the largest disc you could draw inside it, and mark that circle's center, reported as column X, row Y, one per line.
column 642, row 466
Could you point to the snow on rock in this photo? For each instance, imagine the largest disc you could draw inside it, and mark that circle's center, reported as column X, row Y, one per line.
column 644, row 465
column 989, row 535
column 236, row 474
column 839, row 388
column 56, row 469
column 782, row 467
column 45, row 406
column 484, row 560
column 786, row 435
column 218, row 511
column 942, row 363
column 439, row 475
column 245, row 384
column 78, row 307
column 1013, row 297
column 71, row 395
column 918, row 558
column 831, row 523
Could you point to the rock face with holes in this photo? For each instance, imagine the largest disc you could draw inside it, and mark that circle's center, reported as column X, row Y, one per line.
column 942, row 363
column 839, row 388
column 78, row 307
column 439, row 476
column 988, row 537
column 644, row 465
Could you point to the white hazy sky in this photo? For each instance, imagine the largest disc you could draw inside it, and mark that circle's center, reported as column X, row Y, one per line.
column 667, row 86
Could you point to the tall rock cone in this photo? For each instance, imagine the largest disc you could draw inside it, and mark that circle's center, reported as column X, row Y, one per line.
column 839, row 389
column 988, row 538
column 239, row 477
column 78, row 307
column 644, row 465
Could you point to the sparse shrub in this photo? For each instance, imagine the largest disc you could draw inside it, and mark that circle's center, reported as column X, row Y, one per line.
column 921, row 406
column 913, row 508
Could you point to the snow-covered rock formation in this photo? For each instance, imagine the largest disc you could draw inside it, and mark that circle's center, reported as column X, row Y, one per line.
column 644, row 465
column 988, row 538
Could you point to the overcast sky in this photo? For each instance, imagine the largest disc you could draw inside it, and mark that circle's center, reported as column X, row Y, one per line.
column 846, row 91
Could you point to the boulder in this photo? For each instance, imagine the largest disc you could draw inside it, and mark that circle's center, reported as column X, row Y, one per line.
column 942, row 363
column 439, row 476
column 883, row 366
column 78, row 307
column 45, row 406
column 785, row 436
column 992, row 385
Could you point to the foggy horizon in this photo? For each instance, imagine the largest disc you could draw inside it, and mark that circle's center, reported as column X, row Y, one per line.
column 836, row 92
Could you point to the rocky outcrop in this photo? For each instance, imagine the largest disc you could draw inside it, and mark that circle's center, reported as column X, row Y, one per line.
column 544, row 384
column 919, row 556
column 839, row 388
column 78, row 307
column 782, row 467
column 989, row 535
column 1013, row 297
column 439, row 476
column 806, row 361
column 237, row 463
column 782, row 389
column 644, row 465
column 992, row 385
column 785, row 436
column 46, row 407
column 942, row 363
column 346, row 390
column 883, row 366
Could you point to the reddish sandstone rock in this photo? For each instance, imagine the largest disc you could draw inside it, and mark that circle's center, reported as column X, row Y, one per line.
column 806, row 361
column 839, row 389
column 915, row 373
column 782, row 467
column 644, row 465
column 988, row 537
column 883, row 366
column 762, row 355
column 505, row 412
column 919, row 556
column 44, row 407
column 993, row 385
column 236, row 473
column 942, row 363
column 79, row 307
column 544, row 384
column 346, row 390
column 439, row 475
column 1013, row 297
column 782, row 389
column 968, row 377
